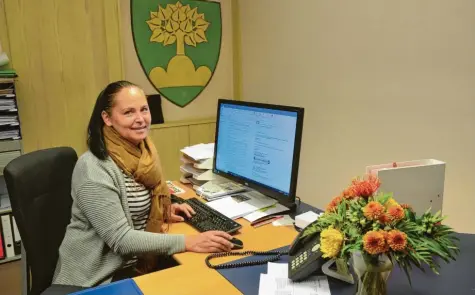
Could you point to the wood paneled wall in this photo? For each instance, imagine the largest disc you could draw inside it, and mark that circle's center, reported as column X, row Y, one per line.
column 5, row 44
column 64, row 52
column 170, row 138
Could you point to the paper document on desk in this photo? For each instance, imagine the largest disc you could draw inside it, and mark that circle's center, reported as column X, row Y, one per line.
column 265, row 213
column 199, row 151
column 206, row 164
column 278, row 270
column 239, row 205
column 276, row 282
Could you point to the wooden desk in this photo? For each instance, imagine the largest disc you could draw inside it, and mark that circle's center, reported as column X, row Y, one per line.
column 192, row 276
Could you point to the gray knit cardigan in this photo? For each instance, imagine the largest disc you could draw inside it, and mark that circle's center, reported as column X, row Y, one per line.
column 100, row 237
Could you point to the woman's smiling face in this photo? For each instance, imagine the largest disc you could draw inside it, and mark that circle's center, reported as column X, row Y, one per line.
column 129, row 115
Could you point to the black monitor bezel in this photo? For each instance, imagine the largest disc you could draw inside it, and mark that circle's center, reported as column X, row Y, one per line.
column 286, row 200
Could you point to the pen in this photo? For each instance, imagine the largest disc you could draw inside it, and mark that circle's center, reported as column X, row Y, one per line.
column 266, row 221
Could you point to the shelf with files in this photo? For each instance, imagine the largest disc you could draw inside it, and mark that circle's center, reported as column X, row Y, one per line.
column 10, row 131
column 9, row 119
column 4, row 211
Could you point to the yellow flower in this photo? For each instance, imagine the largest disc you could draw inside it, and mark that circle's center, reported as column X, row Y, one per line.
column 389, row 203
column 330, row 241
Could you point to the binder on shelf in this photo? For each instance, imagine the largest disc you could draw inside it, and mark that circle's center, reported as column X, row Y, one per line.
column 2, row 251
column 16, row 237
column 419, row 183
column 8, row 235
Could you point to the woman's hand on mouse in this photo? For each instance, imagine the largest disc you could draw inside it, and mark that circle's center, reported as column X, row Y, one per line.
column 210, row 241
column 181, row 209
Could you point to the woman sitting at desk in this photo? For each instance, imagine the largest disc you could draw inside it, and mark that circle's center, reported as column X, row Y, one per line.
column 121, row 203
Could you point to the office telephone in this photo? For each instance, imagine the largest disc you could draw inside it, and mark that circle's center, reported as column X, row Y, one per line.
column 304, row 253
column 305, row 256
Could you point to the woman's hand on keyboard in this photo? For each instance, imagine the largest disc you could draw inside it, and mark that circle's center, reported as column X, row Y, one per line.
column 210, row 241
column 179, row 211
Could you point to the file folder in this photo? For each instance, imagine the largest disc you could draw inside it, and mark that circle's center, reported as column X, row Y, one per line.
column 124, row 287
column 2, row 252
column 16, row 237
column 419, row 183
column 8, row 236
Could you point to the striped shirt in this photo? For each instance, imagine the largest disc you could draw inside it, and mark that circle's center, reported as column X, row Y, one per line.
column 138, row 198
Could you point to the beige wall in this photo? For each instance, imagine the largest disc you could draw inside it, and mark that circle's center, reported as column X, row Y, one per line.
column 380, row 81
column 220, row 86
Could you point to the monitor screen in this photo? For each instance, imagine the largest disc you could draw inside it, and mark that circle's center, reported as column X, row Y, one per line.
column 257, row 143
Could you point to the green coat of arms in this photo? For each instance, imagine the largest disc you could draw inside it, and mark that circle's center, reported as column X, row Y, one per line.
column 178, row 45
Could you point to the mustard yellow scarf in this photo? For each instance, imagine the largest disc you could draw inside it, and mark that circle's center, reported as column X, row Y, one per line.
column 143, row 164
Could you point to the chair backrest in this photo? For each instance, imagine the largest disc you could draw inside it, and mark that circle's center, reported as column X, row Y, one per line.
column 39, row 186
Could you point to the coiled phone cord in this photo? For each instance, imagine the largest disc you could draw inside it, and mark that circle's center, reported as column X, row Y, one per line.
column 275, row 256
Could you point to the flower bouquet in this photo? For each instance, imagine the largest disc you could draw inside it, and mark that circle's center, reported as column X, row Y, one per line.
column 373, row 232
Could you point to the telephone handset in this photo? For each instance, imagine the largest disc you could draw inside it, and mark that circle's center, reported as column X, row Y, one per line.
column 304, row 257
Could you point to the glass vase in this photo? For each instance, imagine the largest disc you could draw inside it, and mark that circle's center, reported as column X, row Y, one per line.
column 372, row 273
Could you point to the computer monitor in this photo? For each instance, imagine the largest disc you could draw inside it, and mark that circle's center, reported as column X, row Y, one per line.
column 258, row 145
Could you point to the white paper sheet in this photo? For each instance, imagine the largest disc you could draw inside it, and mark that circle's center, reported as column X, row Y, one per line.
column 276, row 208
column 284, row 221
column 241, row 204
column 278, row 270
column 270, row 285
column 199, row 151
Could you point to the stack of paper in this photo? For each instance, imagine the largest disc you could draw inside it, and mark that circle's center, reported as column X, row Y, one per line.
column 9, row 134
column 7, row 103
column 197, row 164
column 200, row 151
column 276, row 281
column 8, row 119
column 266, row 215
column 219, row 187
column 241, row 204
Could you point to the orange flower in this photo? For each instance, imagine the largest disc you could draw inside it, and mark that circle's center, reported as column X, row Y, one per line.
column 374, row 243
column 365, row 188
column 385, row 219
column 397, row 240
column 386, row 236
column 334, row 204
column 373, row 210
column 348, row 193
column 396, row 213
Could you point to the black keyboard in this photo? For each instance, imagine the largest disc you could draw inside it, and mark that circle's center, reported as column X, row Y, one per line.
column 206, row 218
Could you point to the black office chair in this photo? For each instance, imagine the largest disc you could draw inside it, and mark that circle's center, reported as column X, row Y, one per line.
column 39, row 186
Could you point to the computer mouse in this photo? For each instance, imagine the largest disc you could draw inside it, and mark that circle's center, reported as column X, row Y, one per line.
column 237, row 244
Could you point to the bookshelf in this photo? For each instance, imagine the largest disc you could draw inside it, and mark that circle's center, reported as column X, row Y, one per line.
column 10, row 133
column 5, row 208
column 10, row 138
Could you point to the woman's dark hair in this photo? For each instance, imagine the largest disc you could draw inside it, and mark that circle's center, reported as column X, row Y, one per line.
column 104, row 102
